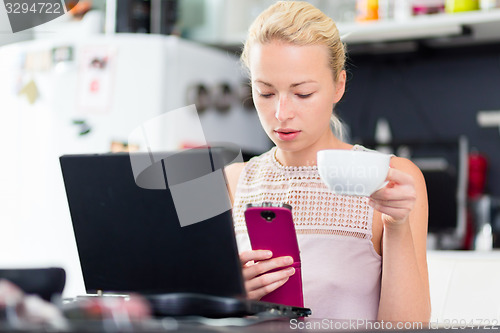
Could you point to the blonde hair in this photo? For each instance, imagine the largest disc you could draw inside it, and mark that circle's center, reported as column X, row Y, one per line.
column 299, row 23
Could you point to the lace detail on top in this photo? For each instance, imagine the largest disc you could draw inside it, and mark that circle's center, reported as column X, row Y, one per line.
column 315, row 209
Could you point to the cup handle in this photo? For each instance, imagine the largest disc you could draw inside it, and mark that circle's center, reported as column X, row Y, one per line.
column 381, row 186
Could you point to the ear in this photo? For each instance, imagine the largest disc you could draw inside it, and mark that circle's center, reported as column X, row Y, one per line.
column 340, row 86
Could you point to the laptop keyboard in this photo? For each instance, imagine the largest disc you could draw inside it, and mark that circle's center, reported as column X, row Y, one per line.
column 188, row 304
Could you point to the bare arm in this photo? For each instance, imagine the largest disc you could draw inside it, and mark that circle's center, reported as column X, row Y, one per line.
column 403, row 209
column 256, row 264
column 233, row 172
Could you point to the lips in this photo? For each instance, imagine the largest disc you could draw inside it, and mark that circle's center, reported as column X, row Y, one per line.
column 287, row 134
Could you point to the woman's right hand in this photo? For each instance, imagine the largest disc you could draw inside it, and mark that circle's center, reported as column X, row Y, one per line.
column 255, row 264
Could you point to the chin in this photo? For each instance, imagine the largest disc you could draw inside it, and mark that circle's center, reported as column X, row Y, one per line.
column 287, row 146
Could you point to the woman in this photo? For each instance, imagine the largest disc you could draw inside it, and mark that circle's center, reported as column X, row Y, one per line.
column 296, row 64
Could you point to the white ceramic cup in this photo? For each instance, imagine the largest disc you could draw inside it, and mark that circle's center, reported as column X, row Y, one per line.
column 348, row 172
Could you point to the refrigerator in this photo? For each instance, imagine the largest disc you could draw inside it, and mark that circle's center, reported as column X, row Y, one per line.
column 67, row 96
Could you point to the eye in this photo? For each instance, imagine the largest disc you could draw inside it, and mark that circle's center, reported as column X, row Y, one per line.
column 304, row 95
column 266, row 95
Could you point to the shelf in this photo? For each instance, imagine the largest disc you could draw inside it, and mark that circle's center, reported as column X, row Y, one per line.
column 459, row 28
column 485, row 25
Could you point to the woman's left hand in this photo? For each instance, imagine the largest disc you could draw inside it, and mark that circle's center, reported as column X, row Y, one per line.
column 402, row 213
column 396, row 200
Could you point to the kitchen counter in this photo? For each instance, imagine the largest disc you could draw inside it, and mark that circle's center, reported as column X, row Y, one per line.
column 464, row 285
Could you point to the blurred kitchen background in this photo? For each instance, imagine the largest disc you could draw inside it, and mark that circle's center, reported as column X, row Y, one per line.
column 423, row 83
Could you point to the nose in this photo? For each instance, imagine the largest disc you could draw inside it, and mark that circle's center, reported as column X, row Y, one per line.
column 284, row 110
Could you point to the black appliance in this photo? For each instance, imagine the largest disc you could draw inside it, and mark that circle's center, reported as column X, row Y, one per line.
column 146, row 16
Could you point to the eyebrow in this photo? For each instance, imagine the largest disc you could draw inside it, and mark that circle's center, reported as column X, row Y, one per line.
column 293, row 85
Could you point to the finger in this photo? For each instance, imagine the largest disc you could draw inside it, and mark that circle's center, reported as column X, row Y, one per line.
column 251, row 271
column 267, row 279
column 395, row 193
column 254, row 255
column 394, row 196
column 399, row 177
column 259, row 293
column 384, row 208
column 397, row 203
column 396, row 213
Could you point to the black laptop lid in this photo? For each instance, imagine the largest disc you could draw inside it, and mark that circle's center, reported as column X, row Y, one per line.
column 129, row 239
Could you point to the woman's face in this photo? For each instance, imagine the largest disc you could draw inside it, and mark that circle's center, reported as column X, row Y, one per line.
column 294, row 92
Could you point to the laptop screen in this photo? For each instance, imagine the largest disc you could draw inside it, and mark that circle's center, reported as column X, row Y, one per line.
column 130, row 238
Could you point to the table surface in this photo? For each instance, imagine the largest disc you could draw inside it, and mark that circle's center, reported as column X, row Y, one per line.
column 197, row 325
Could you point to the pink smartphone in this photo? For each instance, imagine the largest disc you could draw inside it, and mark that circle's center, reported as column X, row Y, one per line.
column 270, row 227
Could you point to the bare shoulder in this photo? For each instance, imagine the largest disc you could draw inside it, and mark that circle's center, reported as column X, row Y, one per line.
column 407, row 166
column 419, row 214
column 233, row 172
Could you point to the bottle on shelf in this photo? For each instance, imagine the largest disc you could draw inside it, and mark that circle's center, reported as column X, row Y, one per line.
column 427, row 7
column 402, row 10
column 386, row 9
column 456, row 6
column 489, row 4
column 366, row 10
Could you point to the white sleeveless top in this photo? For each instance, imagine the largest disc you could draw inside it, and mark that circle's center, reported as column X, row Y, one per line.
column 340, row 268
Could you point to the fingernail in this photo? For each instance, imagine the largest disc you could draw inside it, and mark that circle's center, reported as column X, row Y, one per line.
column 290, row 271
column 289, row 260
column 269, row 254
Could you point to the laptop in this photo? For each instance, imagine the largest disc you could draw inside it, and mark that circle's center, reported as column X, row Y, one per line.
column 131, row 237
